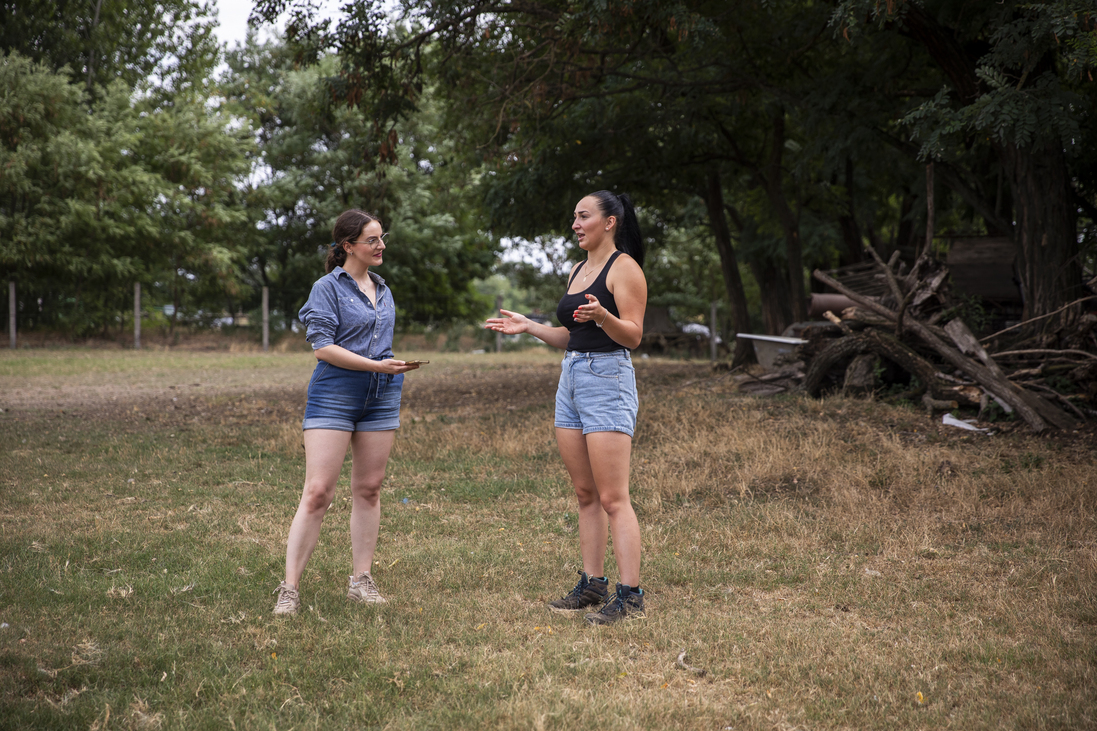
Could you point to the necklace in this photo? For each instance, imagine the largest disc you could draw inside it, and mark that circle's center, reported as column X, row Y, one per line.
column 587, row 273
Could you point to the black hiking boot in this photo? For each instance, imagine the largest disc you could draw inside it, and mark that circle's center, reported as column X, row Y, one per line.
column 587, row 593
column 625, row 603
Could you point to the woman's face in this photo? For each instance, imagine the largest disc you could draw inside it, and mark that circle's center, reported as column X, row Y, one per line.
column 369, row 246
column 590, row 226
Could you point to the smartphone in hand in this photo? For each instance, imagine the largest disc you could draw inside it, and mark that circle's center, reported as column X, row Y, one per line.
column 416, row 362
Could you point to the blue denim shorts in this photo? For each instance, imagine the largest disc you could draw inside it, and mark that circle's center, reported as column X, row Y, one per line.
column 345, row 400
column 597, row 392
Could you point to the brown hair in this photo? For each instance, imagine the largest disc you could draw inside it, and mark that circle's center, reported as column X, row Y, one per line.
column 348, row 227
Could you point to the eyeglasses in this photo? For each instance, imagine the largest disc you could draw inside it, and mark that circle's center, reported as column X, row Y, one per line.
column 374, row 241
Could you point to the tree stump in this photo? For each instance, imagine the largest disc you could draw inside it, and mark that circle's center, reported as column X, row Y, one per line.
column 860, row 378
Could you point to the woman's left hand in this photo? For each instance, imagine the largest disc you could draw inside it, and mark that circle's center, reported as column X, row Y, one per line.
column 591, row 311
column 395, row 367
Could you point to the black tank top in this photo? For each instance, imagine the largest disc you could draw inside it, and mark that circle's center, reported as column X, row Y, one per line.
column 586, row 337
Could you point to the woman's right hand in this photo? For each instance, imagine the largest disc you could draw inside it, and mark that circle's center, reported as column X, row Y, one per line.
column 512, row 323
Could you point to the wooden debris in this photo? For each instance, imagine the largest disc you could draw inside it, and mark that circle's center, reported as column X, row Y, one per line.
column 895, row 323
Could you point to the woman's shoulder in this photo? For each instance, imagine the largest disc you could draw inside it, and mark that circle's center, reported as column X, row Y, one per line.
column 324, row 289
column 625, row 264
column 328, row 281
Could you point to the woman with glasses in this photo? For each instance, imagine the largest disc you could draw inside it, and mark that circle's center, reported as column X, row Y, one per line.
column 602, row 313
column 353, row 400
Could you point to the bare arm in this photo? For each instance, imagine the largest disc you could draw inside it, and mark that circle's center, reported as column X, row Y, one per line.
column 339, row 356
column 630, row 291
column 513, row 323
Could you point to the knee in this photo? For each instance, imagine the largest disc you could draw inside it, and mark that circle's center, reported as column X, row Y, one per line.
column 317, row 498
column 368, row 490
column 587, row 495
column 615, row 504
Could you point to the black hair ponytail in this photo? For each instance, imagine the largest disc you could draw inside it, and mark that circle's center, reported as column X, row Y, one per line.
column 627, row 236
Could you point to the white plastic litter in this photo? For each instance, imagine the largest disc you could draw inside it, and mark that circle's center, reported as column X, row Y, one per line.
column 951, row 420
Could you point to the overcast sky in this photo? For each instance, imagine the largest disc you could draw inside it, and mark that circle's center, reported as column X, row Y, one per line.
column 233, row 18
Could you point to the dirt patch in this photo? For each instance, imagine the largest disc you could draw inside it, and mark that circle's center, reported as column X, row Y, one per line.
column 217, row 391
column 461, row 389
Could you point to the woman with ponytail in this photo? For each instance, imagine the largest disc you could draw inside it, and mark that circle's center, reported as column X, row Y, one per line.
column 353, row 400
column 602, row 313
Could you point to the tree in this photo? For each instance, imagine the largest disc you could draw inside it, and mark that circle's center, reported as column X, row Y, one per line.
column 1012, row 104
column 68, row 229
column 97, row 197
column 105, row 40
column 314, row 162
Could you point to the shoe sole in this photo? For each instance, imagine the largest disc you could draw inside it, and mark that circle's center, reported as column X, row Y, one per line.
column 633, row 615
column 362, row 600
column 564, row 610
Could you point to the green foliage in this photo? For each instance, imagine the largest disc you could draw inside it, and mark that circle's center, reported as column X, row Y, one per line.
column 144, row 43
column 315, row 162
column 764, row 138
column 99, row 197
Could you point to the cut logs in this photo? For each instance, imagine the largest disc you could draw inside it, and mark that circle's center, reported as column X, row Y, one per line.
column 910, row 331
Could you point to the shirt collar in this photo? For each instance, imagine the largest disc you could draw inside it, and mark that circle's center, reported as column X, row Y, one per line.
column 340, row 271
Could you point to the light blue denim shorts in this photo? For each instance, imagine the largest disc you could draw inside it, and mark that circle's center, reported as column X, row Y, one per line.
column 345, row 400
column 597, row 392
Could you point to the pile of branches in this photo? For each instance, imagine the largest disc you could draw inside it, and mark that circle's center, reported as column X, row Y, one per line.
column 1043, row 370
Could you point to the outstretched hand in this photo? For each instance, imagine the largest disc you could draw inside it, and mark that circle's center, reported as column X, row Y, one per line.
column 512, row 323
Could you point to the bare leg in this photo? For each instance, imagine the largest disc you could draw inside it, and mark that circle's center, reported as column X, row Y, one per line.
column 609, row 457
column 370, row 454
column 324, row 453
column 593, row 531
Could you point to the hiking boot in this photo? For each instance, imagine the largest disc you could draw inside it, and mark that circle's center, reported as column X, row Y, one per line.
column 362, row 589
column 288, row 600
column 588, row 592
column 625, row 603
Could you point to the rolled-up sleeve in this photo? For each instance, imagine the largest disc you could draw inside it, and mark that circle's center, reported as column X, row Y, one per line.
column 320, row 314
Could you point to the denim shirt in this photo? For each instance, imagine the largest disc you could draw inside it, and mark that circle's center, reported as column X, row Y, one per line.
column 339, row 313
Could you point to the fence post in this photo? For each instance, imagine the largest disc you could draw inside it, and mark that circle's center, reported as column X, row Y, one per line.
column 11, row 312
column 498, row 335
column 712, row 331
column 266, row 319
column 136, row 315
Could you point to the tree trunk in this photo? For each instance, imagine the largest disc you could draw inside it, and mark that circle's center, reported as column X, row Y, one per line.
column 714, row 201
column 1045, row 232
column 773, row 289
column 771, row 180
column 847, row 222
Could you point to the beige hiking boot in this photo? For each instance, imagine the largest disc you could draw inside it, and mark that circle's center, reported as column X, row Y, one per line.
column 363, row 589
column 288, row 600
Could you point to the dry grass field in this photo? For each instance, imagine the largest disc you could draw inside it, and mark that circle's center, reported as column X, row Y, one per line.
column 830, row 564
